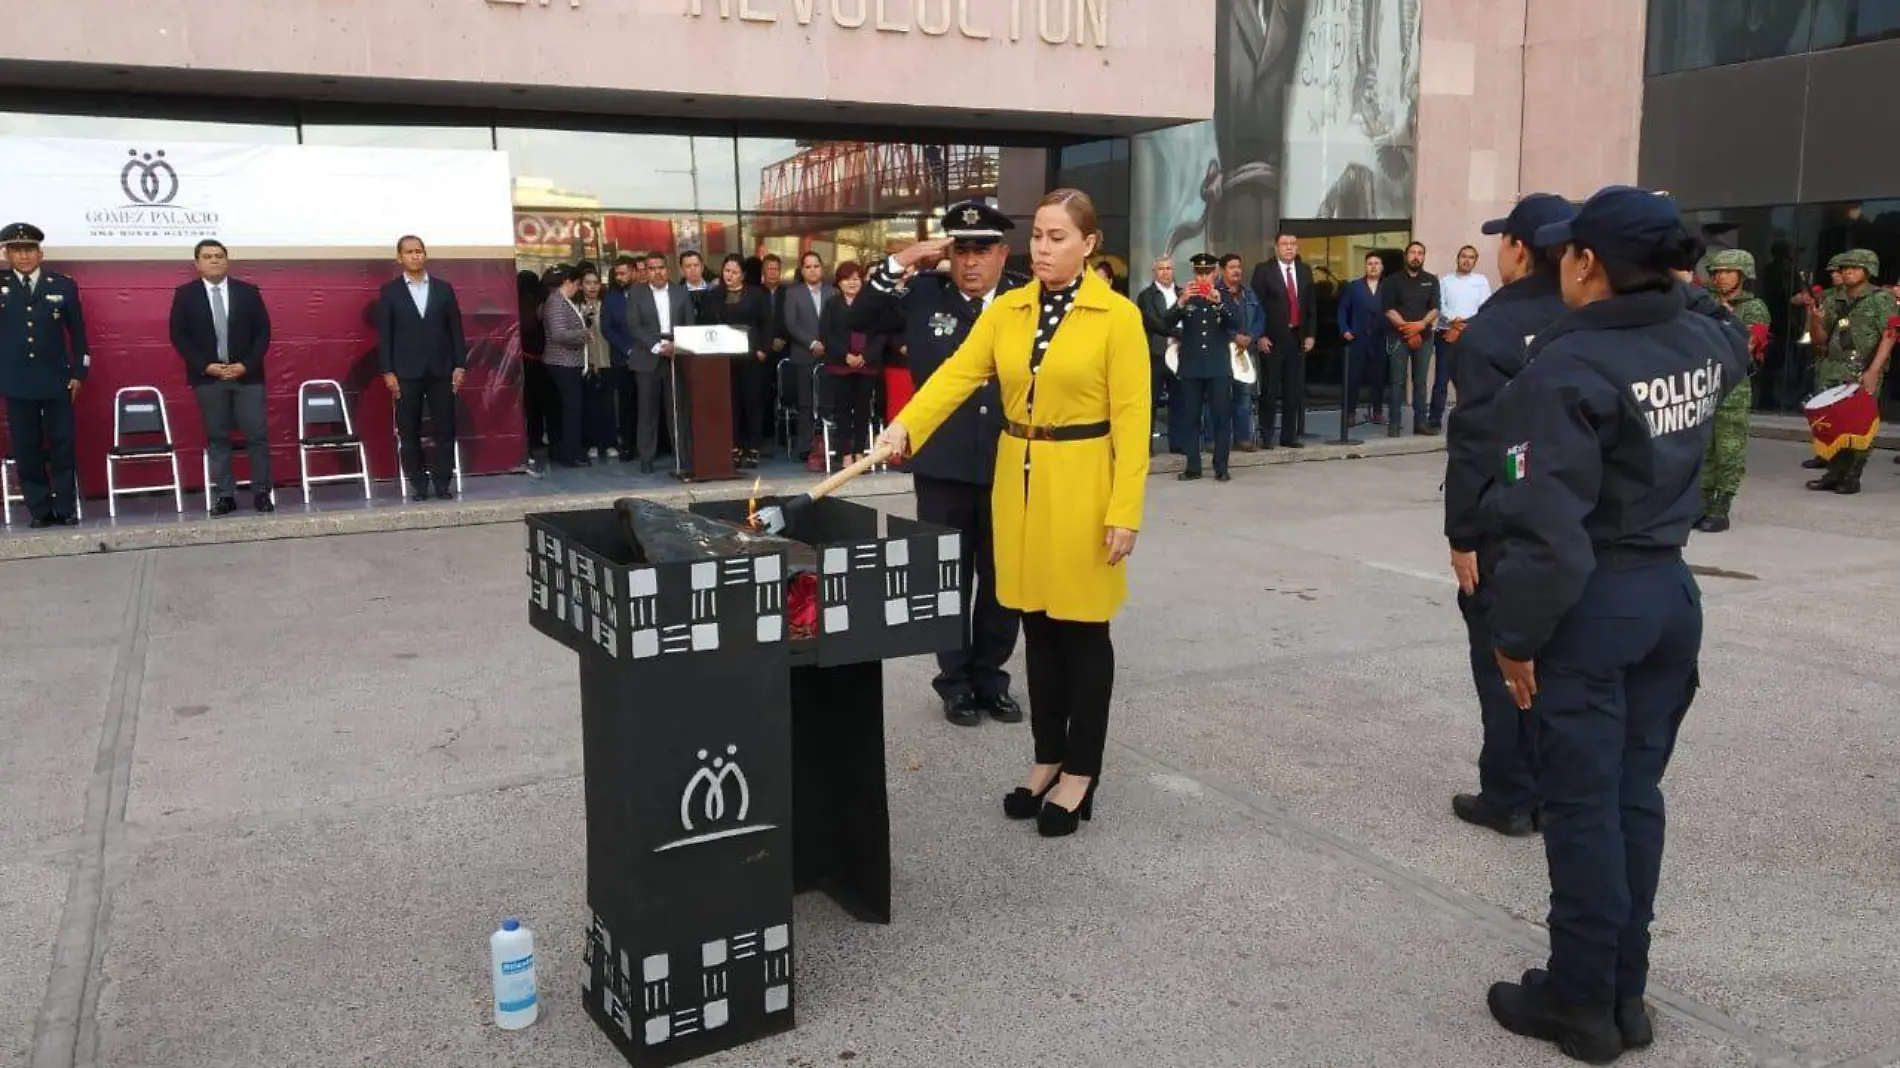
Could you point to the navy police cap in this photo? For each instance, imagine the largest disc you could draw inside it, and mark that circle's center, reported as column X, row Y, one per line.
column 1204, row 261
column 1620, row 222
column 975, row 222
column 20, row 233
column 1534, row 212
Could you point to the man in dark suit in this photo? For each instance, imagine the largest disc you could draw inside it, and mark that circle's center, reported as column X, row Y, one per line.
column 1156, row 301
column 654, row 310
column 804, row 303
column 221, row 329
column 1284, row 285
column 43, row 360
column 423, row 355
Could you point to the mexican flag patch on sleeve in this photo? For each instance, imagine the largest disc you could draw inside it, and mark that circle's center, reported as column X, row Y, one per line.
column 1517, row 463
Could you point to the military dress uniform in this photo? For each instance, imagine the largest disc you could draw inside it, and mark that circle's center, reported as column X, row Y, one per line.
column 1728, row 450
column 953, row 476
column 1491, row 353
column 1607, row 427
column 1205, row 370
column 42, row 352
column 1854, row 329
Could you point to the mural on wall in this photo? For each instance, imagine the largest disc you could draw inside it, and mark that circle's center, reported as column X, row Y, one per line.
column 1315, row 117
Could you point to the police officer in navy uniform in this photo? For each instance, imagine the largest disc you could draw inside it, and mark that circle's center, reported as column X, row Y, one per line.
column 1595, row 618
column 954, row 472
column 43, row 359
column 1490, row 354
column 1205, row 320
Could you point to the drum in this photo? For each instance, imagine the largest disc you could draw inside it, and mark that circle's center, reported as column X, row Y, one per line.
column 1845, row 417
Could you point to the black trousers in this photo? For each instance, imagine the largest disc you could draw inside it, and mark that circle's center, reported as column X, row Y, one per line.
column 1071, row 679
column 43, row 452
column 436, row 396
column 1284, row 388
column 989, row 629
column 603, row 405
column 534, row 401
column 569, row 386
column 851, row 397
column 751, row 404
column 627, row 401
column 1507, row 769
column 1218, row 396
column 225, row 405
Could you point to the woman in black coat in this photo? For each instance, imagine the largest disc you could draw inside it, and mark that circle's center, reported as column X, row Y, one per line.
column 748, row 307
column 853, row 361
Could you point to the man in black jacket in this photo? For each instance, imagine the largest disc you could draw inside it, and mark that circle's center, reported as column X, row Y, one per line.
column 423, row 356
column 221, row 329
column 1491, row 353
column 953, row 473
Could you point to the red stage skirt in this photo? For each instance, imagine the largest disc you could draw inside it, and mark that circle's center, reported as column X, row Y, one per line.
column 897, row 391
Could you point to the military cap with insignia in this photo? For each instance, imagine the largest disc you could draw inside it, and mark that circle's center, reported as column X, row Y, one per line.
column 20, row 233
column 975, row 222
column 1204, row 260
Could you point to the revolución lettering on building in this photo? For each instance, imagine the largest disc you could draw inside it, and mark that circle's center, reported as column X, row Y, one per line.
column 1056, row 22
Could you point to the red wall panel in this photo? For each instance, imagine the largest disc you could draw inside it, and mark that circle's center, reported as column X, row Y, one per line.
column 320, row 328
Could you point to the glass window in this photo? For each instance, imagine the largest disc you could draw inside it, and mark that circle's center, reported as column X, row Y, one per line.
column 398, row 136
column 550, row 235
column 1690, row 34
column 1100, row 169
column 1845, row 22
column 569, row 168
column 27, row 124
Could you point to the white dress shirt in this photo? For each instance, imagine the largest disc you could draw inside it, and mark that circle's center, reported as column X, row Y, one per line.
column 419, row 292
column 664, row 303
column 1460, row 296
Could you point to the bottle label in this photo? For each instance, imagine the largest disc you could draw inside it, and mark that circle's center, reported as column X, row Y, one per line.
column 516, row 992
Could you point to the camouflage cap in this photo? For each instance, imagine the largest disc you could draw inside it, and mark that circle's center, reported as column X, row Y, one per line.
column 1856, row 257
column 1732, row 259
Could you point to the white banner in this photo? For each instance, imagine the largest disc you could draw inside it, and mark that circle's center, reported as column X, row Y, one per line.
column 123, row 194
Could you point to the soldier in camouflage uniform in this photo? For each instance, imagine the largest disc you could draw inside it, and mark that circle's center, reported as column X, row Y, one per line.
column 1728, row 451
column 1849, row 326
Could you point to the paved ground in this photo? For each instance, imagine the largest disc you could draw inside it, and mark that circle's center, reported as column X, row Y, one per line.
column 260, row 805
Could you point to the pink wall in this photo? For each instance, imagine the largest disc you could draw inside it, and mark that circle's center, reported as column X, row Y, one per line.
column 1159, row 60
column 320, row 328
column 1519, row 96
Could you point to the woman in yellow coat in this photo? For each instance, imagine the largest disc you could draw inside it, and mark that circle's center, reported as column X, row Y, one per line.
column 1071, row 357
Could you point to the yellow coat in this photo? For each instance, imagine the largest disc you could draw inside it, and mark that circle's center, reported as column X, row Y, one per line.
column 1050, row 535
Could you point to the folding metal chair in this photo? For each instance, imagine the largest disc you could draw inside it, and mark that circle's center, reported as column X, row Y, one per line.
column 139, row 412
column 787, row 414
column 324, row 425
column 428, row 446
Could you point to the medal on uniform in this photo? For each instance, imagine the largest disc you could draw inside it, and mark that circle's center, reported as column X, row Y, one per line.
column 943, row 324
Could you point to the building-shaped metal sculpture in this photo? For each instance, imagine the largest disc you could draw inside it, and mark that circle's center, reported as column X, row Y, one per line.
column 726, row 764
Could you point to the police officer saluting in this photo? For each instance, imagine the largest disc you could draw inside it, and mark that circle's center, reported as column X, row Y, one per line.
column 1490, row 354
column 1593, row 612
column 43, row 359
column 953, row 473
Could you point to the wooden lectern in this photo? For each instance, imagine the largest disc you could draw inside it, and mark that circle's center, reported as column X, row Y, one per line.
column 702, row 394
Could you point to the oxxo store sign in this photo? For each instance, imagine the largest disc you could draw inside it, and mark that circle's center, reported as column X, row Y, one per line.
column 1056, row 22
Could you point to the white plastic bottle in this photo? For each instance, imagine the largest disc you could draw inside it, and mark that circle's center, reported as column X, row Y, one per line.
column 511, row 957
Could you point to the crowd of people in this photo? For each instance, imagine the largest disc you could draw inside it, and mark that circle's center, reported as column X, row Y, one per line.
column 826, row 349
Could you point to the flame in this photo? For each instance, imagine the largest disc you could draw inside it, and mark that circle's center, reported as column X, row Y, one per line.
column 752, row 504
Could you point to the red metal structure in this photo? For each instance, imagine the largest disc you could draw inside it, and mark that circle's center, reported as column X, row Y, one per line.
column 856, row 180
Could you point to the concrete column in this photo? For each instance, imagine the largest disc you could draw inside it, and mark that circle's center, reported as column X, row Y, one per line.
column 1517, row 96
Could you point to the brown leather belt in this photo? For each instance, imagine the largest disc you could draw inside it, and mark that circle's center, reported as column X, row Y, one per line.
column 1072, row 432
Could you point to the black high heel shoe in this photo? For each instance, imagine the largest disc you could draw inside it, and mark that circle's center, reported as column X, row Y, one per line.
column 1020, row 804
column 1054, row 821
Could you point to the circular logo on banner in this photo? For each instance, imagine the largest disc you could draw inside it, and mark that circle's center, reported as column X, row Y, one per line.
column 148, row 180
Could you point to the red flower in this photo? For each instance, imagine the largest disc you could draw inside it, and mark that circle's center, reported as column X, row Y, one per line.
column 1893, row 323
column 1818, row 291
column 1757, row 339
